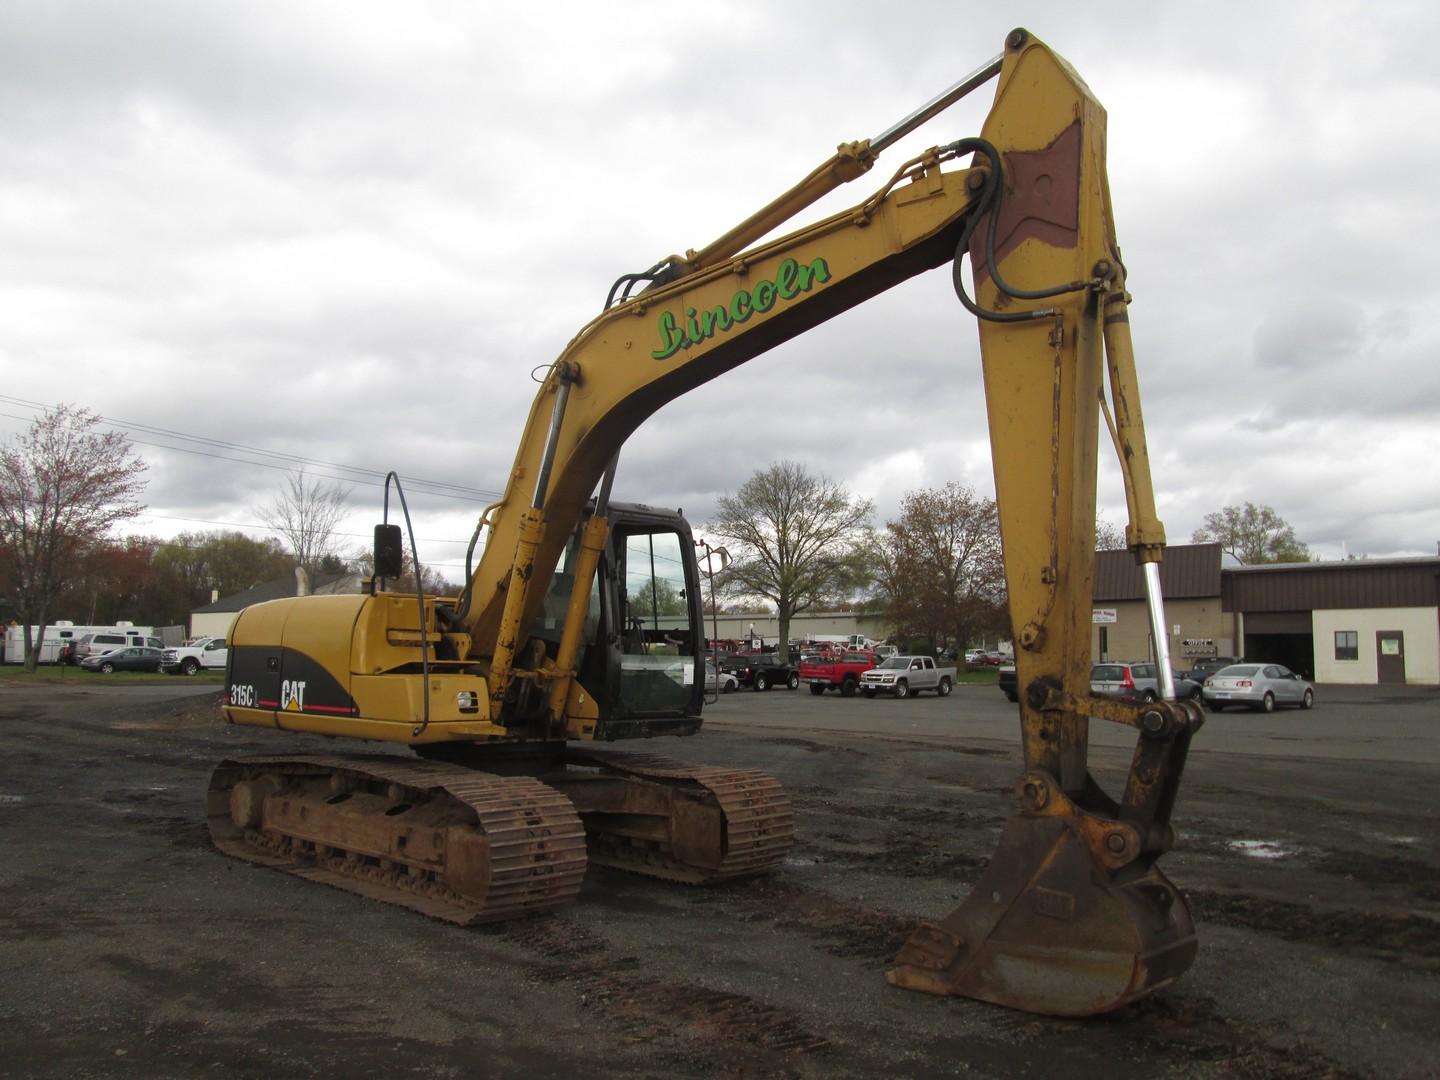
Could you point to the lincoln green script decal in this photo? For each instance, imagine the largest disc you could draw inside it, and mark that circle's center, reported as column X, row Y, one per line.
column 791, row 279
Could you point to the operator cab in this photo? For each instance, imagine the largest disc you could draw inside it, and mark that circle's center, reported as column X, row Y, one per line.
column 641, row 647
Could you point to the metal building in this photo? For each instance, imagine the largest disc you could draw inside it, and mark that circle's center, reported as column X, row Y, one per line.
column 1361, row 621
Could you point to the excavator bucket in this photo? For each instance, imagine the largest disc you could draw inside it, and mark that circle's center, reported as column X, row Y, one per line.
column 1051, row 930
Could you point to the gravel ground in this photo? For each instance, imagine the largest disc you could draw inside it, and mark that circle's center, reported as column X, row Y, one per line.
column 131, row 948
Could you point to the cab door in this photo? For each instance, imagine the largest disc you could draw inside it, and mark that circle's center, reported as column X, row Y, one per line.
column 658, row 639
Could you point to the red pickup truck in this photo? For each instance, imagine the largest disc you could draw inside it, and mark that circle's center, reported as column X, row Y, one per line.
column 842, row 673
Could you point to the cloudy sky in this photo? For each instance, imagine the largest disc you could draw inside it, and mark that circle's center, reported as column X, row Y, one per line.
column 344, row 234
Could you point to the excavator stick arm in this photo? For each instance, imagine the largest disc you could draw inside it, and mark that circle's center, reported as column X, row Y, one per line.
column 1072, row 917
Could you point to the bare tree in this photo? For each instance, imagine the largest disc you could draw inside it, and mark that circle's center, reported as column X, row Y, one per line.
column 64, row 484
column 797, row 540
column 306, row 515
column 1108, row 535
column 362, row 564
column 1253, row 535
column 941, row 575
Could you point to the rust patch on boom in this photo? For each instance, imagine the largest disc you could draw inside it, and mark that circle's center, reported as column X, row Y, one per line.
column 1041, row 200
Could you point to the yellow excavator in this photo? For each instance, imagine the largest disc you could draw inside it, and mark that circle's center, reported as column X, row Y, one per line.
column 581, row 622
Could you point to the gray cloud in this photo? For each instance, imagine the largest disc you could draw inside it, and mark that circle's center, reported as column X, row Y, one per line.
column 350, row 234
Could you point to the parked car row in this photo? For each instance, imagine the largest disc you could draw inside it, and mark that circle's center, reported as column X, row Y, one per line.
column 108, row 653
column 867, row 672
column 77, row 651
column 1217, row 682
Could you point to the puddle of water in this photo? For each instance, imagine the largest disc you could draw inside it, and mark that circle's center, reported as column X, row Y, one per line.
column 1399, row 840
column 1261, row 849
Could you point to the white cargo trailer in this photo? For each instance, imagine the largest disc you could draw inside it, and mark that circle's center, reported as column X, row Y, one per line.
column 64, row 632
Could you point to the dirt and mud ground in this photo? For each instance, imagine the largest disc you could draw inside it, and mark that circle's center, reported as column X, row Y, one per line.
column 1308, row 847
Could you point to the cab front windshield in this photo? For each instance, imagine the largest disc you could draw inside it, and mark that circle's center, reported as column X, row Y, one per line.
column 897, row 662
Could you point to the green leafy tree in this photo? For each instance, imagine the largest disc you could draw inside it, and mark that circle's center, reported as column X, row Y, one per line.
column 940, row 572
column 657, row 596
column 64, row 484
column 797, row 540
column 194, row 565
column 1252, row 535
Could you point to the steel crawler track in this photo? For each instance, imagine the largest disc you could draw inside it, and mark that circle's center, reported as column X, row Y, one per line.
column 755, row 820
column 443, row 840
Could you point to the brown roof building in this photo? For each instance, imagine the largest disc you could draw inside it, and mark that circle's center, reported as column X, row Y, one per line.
column 1361, row 621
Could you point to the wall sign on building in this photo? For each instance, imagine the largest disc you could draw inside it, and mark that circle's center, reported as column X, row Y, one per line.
column 1103, row 615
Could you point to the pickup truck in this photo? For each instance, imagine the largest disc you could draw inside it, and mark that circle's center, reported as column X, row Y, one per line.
column 902, row 676
column 760, row 670
column 194, row 655
column 842, row 673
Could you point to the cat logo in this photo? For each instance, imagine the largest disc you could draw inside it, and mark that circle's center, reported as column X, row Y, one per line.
column 292, row 695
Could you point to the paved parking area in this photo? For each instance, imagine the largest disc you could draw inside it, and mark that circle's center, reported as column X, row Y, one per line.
column 1309, row 849
column 1348, row 722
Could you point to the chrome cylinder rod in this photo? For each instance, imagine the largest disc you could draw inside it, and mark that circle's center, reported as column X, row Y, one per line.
column 552, row 438
column 938, row 104
column 1158, row 635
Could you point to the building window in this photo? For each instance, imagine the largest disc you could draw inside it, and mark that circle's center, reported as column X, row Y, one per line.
column 1347, row 645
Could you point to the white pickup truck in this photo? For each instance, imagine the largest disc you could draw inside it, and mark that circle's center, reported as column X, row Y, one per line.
column 203, row 653
column 902, row 676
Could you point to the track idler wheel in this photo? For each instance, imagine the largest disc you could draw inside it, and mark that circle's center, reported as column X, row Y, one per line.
column 1060, row 923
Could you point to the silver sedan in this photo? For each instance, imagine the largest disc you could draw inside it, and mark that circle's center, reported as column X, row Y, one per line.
column 1265, row 687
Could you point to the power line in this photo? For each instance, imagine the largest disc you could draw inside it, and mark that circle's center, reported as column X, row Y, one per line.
column 418, row 484
column 271, row 528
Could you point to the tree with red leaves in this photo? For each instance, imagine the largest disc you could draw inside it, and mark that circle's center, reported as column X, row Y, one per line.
column 64, row 484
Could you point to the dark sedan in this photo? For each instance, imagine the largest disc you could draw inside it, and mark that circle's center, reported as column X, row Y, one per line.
column 1206, row 666
column 135, row 658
